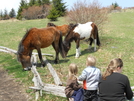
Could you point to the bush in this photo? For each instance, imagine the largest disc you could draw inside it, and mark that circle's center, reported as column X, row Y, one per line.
column 34, row 12
column 83, row 12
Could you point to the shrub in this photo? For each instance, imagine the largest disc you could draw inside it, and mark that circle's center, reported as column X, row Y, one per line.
column 82, row 12
column 34, row 12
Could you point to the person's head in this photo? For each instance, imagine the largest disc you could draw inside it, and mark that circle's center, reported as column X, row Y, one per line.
column 73, row 70
column 91, row 61
column 115, row 65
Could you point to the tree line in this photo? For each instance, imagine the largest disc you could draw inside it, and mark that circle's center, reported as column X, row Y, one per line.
column 5, row 15
column 41, row 9
column 36, row 9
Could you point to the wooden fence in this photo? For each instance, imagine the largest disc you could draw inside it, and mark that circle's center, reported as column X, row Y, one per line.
column 39, row 86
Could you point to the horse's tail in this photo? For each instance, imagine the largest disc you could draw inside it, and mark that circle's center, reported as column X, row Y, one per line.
column 61, row 48
column 97, row 36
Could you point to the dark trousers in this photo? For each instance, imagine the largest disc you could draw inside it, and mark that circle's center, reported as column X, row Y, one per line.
column 78, row 95
column 90, row 95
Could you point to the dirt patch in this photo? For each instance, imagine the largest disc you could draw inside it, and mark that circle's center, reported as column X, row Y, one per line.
column 9, row 89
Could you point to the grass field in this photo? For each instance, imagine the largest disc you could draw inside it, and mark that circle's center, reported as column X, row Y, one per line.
column 117, row 40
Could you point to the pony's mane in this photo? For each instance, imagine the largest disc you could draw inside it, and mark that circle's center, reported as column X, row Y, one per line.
column 51, row 24
column 21, row 47
column 72, row 28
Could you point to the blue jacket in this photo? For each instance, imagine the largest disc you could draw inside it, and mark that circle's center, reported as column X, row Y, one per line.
column 90, row 77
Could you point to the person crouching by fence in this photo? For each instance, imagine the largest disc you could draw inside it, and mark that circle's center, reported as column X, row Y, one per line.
column 90, row 77
column 73, row 89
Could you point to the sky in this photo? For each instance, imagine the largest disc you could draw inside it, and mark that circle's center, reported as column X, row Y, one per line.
column 9, row 4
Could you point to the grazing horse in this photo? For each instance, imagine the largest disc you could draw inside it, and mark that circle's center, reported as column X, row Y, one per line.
column 36, row 39
column 81, row 31
column 64, row 28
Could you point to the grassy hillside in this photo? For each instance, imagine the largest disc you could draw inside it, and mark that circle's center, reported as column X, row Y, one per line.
column 116, row 41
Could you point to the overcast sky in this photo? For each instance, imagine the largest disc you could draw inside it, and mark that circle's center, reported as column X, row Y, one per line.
column 9, row 4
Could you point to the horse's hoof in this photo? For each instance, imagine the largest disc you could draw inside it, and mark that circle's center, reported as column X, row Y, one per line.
column 55, row 62
column 43, row 65
column 26, row 69
column 34, row 64
column 76, row 57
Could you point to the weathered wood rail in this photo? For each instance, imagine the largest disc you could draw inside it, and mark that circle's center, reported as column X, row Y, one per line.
column 48, row 88
column 39, row 86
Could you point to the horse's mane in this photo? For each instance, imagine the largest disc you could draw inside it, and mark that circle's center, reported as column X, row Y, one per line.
column 72, row 26
column 21, row 47
column 51, row 24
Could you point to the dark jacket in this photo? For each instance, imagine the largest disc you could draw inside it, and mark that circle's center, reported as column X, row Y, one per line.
column 115, row 88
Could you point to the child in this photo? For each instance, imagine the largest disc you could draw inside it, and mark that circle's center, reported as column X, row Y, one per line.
column 90, row 77
column 73, row 89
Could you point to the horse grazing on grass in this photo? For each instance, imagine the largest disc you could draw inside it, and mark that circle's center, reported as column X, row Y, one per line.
column 81, row 31
column 36, row 39
column 63, row 28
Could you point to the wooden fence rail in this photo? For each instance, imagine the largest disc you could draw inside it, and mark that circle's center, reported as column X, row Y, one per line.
column 38, row 84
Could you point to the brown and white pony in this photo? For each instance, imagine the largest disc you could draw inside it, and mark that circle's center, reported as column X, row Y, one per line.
column 63, row 28
column 81, row 31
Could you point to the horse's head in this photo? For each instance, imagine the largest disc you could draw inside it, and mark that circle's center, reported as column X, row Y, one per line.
column 72, row 26
column 67, row 47
column 69, row 38
column 51, row 24
column 25, row 60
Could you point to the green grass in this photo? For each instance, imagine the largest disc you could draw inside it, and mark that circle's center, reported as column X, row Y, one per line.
column 116, row 41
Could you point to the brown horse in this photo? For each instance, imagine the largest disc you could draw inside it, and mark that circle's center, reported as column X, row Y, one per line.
column 81, row 31
column 63, row 28
column 37, row 39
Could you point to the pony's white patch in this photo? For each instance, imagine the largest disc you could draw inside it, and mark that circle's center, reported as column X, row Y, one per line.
column 77, row 53
column 89, row 47
column 84, row 30
column 95, row 44
column 25, row 69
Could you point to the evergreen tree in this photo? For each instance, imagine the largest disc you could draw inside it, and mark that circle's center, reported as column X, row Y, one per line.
column 12, row 13
column 5, row 14
column 60, row 7
column 39, row 3
column 32, row 2
column 45, row 2
column 23, row 5
column 1, row 15
column 53, row 14
column 115, row 5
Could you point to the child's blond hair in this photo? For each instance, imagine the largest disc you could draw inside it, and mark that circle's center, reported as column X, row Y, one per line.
column 91, row 61
column 73, row 70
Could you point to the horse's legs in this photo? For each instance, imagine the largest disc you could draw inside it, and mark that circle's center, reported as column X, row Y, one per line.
column 94, row 44
column 40, row 57
column 79, row 51
column 77, row 48
column 30, row 53
column 56, row 48
column 91, row 41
